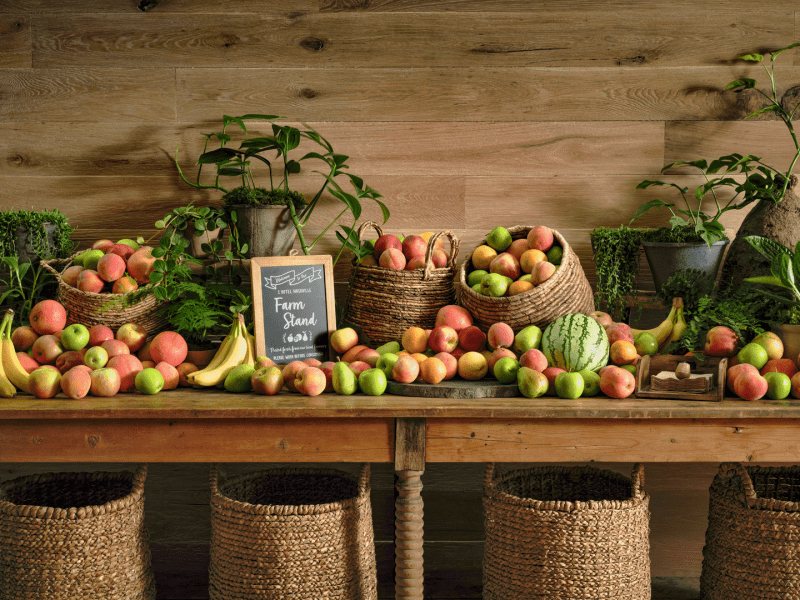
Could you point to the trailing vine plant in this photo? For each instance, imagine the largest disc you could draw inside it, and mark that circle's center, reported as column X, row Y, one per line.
column 616, row 256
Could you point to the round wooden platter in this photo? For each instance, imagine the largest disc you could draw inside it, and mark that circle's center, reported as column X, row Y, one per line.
column 484, row 388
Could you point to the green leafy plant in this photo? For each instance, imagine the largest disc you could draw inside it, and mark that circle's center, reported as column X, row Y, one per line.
column 689, row 284
column 784, row 270
column 34, row 222
column 25, row 285
column 238, row 163
column 616, row 257
column 761, row 181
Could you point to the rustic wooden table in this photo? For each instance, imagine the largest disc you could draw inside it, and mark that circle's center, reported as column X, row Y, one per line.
column 209, row 426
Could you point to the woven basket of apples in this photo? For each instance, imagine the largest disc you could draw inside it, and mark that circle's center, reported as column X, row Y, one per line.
column 108, row 285
column 402, row 284
column 523, row 276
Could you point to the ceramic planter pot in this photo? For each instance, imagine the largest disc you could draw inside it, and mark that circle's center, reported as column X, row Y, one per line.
column 665, row 258
column 790, row 336
column 197, row 241
column 267, row 230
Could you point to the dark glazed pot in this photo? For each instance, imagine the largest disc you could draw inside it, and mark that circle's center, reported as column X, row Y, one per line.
column 665, row 258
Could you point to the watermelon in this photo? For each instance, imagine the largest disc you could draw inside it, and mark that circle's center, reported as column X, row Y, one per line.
column 575, row 342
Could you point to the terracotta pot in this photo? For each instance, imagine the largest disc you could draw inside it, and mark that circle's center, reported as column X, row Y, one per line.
column 790, row 336
column 200, row 358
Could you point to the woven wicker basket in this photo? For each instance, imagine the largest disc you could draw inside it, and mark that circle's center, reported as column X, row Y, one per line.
column 566, row 533
column 385, row 302
column 567, row 291
column 753, row 538
column 299, row 533
column 90, row 309
column 75, row 536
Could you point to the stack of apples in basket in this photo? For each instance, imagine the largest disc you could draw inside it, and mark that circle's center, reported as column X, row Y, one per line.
column 107, row 267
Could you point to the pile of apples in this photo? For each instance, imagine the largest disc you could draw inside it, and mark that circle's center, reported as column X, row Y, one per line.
column 506, row 267
column 78, row 360
column 107, row 267
column 405, row 253
column 756, row 369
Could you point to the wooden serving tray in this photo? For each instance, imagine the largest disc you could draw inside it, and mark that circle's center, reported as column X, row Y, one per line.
column 652, row 365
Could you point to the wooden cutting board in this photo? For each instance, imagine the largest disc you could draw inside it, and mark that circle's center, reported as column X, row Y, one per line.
column 455, row 388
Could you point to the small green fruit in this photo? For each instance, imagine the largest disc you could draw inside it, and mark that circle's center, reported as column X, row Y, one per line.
column 149, row 381
column 646, row 343
column 130, row 243
column 476, row 276
column 372, row 382
column 754, row 354
column 499, row 238
column 344, row 380
column 554, row 255
column 238, row 379
column 779, row 385
column 569, row 385
column 389, row 347
column 591, row 383
column 494, row 285
column 505, row 370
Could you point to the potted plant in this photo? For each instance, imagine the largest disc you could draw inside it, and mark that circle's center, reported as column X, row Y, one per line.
column 785, row 275
column 273, row 233
column 616, row 257
column 198, row 224
column 696, row 238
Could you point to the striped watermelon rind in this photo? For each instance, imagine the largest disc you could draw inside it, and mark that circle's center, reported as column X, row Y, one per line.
column 575, row 342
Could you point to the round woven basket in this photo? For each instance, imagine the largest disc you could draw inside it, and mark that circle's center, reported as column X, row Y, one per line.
column 566, row 533
column 111, row 310
column 385, row 302
column 751, row 548
column 567, row 291
column 292, row 533
column 67, row 536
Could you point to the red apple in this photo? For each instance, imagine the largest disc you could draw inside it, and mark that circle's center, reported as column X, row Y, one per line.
column 47, row 317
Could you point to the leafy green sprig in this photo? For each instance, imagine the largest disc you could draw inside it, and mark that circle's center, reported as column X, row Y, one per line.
column 616, row 256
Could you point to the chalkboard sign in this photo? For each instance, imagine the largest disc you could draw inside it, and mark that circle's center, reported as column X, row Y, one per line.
column 293, row 307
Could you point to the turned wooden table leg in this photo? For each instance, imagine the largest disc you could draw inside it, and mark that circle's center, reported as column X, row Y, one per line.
column 408, row 524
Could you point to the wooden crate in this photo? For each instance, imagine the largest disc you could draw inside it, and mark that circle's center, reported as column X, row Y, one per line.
column 652, row 365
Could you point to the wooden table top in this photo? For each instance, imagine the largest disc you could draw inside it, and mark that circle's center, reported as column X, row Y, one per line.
column 213, row 404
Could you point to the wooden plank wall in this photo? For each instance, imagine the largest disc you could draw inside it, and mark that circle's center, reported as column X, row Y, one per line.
column 465, row 114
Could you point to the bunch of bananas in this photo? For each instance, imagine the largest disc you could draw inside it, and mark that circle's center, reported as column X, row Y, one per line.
column 670, row 329
column 12, row 375
column 237, row 348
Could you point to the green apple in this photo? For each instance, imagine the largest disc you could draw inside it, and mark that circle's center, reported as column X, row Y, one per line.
column 532, row 384
column 778, row 385
column 494, row 285
column 527, row 277
column 386, row 363
column 631, row 368
column 344, row 379
column 499, row 238
column 646, row 343
column 372, row 382
column 96, row 357
column 555, row 254
column 754, row 354
column 130, row 243
column 149, row 381
column 91, row 257
column 569, row 385
column 75, row 337
column 527, row 338
column 505, row 369
column 476, row 276
column 478, row 289
column 239, row 379
column 591, row 383
column 389, row 347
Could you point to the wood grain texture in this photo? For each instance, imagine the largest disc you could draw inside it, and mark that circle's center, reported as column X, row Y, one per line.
column 469, row 93
column 15, row 41
column 87, row 95
column 487, row 39
column 138, row 7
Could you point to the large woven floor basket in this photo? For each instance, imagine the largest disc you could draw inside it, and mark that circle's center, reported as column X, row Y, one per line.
column 385, row 302
column 292, row 533
column 111, row 310
column 567, row 291
column 75, row 536
column 753, row 537
column 565, row 534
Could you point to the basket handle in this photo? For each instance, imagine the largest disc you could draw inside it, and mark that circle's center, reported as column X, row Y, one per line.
column 363, row 479
column 637, row 481
column 727, row 470
column 138, row 478
column 47, row 263
column 216, row 475
column 365, row 225
column 451, row 261
column 488, row 475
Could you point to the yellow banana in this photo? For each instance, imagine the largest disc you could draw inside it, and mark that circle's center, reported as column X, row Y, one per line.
column 238, row 350
column 222, row 351
column 679, row 328
column 663, row 330
column 250, row 357
column 7, row 389
column 14, row 371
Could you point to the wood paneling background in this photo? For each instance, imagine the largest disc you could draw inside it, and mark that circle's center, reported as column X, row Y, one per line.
column 465, row 114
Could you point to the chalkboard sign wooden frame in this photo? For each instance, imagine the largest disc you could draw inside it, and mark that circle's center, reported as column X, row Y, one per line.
column 285, row 288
